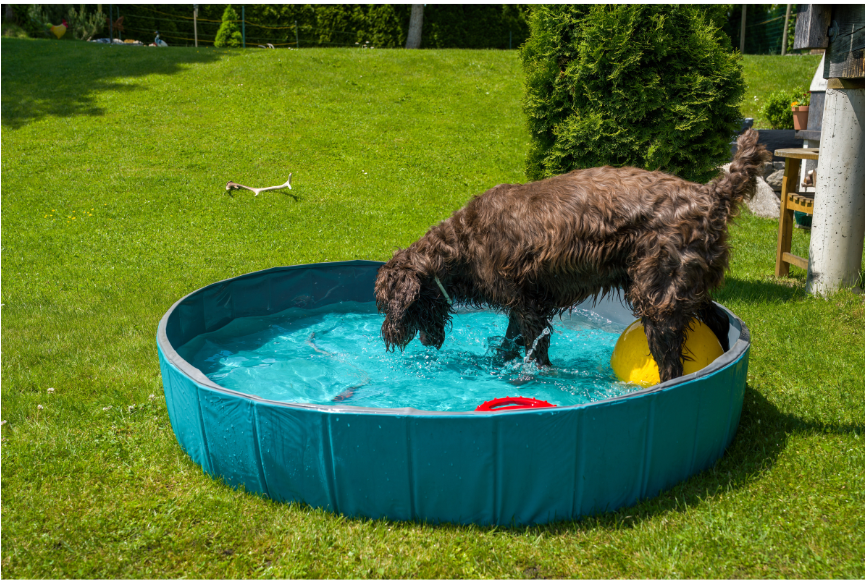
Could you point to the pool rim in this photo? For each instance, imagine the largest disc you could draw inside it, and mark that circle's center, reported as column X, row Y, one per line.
column 736, row 351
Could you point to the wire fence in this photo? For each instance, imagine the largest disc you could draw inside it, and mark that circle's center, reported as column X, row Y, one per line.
column 765, row 28
column 176, row 29
column 765, row 36
column 308, row 26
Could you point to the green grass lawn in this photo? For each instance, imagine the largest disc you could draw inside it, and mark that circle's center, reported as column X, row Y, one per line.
column 114, row 167
column 765, row 74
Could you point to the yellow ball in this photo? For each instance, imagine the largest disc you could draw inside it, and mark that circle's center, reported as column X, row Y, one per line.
column 632, row 361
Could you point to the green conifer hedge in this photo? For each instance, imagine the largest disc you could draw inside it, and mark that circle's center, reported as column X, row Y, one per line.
column 650, row 86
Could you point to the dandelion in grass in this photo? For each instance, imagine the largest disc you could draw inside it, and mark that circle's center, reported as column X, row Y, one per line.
column 51, row 390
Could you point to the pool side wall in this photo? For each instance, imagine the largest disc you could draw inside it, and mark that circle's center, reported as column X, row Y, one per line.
column 520, row 467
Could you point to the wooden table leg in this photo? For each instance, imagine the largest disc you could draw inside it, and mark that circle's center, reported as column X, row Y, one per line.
column 786, row 216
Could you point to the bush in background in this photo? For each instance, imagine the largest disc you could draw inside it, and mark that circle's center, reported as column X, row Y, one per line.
column 651, row 86
column 229, row 33
column 84, row 20
column 85, row 26
column 777, row 108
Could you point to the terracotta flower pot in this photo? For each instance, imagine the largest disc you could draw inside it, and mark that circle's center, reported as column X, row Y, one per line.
column 801, row 116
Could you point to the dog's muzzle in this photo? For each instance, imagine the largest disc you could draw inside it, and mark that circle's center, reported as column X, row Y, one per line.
column 428, row 341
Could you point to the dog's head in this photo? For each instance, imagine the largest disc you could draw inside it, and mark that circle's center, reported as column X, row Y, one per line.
column 412, row 304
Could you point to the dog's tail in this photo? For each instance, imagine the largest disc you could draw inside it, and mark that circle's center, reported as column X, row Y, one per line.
column 738, row 183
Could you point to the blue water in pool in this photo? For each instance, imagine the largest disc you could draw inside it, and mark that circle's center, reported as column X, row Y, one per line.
column 336, row 355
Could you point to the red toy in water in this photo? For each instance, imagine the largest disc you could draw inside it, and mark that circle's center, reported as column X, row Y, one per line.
column 513, row 403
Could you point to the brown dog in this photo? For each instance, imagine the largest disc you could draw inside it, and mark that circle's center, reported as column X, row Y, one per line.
column 534, row 250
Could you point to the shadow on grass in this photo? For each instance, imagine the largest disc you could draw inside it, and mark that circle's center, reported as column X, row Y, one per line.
column 761, row 437
column 770, row 290
column 35, row 86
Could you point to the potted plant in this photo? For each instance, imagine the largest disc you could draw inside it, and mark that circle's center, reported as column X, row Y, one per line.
column 800, row 109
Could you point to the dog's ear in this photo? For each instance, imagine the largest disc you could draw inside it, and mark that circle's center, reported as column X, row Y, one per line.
column 396, row 289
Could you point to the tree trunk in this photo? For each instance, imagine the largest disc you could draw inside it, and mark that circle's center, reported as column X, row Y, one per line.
column 416, row 20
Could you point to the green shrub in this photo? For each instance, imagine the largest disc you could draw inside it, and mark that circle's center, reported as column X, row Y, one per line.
column 83, row 21
column 85, row 26
column 229, row 34
column 777, row 108
column 12, row 30
column 35, row 23
column 651, row 86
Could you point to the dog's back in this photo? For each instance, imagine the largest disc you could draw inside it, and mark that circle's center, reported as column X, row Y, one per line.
column 534, row 250
column 593, row 225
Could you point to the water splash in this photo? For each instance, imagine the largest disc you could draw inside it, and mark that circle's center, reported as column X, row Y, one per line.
column 544, row 332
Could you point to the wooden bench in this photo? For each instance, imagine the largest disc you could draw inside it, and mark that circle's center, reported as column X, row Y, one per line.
column 792, row 200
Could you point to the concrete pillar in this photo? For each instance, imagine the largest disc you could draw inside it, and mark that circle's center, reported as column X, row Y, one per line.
column 839, row 221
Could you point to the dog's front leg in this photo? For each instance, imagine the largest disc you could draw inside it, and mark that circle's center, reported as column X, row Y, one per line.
column 510, row 347
column 535, row 340
column 665, row 340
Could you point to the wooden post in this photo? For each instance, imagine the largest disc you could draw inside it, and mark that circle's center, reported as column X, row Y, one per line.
column 785, row 30
column 243, row 27
column 844, row 56
column 810, row 31
column 786, row 216
column 743, row 31
column 195, row 23
column 110, row 26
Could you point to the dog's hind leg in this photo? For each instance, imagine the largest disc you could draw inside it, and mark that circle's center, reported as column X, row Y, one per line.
column 717, row 320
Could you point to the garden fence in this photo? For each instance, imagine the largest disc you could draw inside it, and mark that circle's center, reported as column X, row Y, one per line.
column 297, row 26
column 764, row 31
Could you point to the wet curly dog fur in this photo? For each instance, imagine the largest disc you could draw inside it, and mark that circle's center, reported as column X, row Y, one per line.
column 535, row 250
